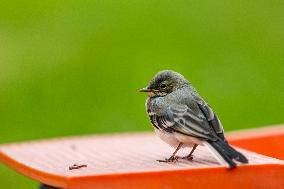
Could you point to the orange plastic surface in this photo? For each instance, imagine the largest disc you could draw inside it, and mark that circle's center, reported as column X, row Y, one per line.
column 129, row 161
column 268, row 141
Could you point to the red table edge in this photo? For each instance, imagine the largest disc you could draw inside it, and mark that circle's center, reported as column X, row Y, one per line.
column 267, row 141
column 175, row 178
column 43, row 177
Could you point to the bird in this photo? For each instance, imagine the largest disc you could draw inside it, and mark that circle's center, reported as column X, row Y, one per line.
column 182, row 118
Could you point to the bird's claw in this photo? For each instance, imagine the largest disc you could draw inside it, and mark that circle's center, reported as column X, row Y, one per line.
column 171, row 159
column 176, row 158
column 189, row 158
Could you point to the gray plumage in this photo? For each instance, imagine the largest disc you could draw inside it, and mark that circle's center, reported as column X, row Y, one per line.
column 176, row 110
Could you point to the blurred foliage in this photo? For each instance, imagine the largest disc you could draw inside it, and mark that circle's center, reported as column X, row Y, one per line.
column 74, row 67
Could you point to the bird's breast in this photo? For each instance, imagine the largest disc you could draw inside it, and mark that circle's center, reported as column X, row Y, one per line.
column 173, row 139
column 155, row 104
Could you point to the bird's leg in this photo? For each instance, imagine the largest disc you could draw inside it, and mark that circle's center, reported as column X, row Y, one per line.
column 189, row 156
column 173, row 157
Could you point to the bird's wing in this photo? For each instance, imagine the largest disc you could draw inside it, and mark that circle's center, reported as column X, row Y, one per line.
column 212, row 118
column 182, row 119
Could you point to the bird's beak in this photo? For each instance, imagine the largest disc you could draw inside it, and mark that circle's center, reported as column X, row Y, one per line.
column 150, row 92
column 145, row 90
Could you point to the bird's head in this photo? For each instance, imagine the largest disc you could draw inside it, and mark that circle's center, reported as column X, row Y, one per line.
column 165, row 82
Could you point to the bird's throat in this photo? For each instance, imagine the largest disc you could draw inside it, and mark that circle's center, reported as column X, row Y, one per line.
column 151, row 94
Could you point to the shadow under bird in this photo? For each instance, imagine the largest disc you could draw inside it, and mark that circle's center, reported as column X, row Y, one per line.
column 182, row 118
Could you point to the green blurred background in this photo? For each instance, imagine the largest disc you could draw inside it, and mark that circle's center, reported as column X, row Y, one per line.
column 74, row 67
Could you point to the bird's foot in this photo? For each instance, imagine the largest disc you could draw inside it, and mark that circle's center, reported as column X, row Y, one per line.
column 189, row 158
column 172, row 159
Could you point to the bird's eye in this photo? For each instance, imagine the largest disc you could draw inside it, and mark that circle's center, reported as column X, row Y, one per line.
column 163, row 86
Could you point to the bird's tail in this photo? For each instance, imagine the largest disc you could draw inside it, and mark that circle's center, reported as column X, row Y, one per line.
column 224, row 153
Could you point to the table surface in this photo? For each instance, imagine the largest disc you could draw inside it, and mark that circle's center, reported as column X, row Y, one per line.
column 49, row 161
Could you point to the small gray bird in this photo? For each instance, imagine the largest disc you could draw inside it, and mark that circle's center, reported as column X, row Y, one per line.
column 182, row 118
